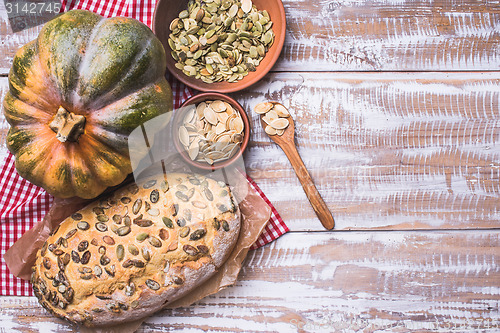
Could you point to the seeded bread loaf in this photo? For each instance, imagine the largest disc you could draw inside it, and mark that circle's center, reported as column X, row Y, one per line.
column 127, row 256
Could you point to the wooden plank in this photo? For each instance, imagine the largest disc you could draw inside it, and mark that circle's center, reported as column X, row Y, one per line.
column 367, row 35
column 391, row 35
column 325, row 282
column 397, row 151
column 387, row 151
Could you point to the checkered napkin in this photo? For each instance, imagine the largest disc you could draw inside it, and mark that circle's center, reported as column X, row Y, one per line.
column 22, row 204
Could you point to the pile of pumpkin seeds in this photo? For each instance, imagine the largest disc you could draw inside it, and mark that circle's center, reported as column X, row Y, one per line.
column 211, row 131
column 220, row 40
column 274, row 115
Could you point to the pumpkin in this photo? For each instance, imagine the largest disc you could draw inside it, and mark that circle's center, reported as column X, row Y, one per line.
column 76, row 93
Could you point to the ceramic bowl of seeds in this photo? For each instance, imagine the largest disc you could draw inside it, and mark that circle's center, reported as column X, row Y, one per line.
column 220, row 45
column 211, row 131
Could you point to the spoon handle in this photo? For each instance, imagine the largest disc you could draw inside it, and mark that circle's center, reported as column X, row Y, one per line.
column 319, row 206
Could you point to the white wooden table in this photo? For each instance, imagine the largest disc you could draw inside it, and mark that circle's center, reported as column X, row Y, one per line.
column 397, row 110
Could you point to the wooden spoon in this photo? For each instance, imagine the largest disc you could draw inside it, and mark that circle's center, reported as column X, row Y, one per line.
column 287, row 144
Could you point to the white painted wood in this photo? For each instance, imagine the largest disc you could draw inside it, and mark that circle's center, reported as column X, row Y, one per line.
column 365, row 35
column 325, row 282
column 386, row 150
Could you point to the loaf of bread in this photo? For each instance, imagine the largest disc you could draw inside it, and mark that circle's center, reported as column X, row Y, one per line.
column 127, row 256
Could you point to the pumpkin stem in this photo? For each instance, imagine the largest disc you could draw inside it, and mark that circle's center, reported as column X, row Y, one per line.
column 67, row 125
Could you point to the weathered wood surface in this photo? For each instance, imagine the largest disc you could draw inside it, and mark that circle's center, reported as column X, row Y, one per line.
column 386, row 151
column 326, row 282
column 392, row 150
column 366, row 35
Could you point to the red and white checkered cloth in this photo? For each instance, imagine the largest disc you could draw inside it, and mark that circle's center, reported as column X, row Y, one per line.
column 22, row 204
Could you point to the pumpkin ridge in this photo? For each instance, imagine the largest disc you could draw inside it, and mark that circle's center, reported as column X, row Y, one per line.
column 82, row 62
column 102, row 100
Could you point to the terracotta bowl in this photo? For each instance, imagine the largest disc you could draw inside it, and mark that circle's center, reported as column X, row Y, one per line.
column 167, row 10
column 210, row 96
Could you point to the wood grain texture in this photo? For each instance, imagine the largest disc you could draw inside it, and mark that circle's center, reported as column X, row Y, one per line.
column 392, row 150
column 366, row 35
column 325, row 282
column 391, row 35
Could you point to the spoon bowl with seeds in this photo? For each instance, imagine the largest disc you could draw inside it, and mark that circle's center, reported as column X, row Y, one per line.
column 279, row 126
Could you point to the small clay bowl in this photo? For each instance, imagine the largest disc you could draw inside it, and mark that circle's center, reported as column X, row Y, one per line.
column 179, row 117
column 167, row 10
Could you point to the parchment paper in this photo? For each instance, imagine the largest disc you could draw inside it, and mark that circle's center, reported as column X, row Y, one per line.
column 255, row 215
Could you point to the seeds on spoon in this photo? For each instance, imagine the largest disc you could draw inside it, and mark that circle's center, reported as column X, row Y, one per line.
column 274, row 115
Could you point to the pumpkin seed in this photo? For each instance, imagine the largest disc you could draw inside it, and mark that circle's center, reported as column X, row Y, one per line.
column 149, row 184
column 208, row 194
column 173, row 246
column 127, row 221
column 143, row 223
column 98, row 210
column 142, row 236
column 184, row 232
column 83, row 245
column 58, row 252
column 181, row 222
column 68, row 294
column 153, row 212
column 85, row 258
column 94, row 241
column 75, row 256
column 83, row 225
column 222, row 208
column 146, row 254
column 104, row 260
column 46, row 263
column 189, row 249
column 225, row 225
column 122, row 231
column 108, row 240
column 97, row 271
column 133, row 249
column 43, row 250
column 168, row 222
column 199, row 204
column 130, row 289
column 120, row 252
column 177, row 280
column 136, row 207
column 77, row 216
column 102, row 250
column 101, row 226
column 152, row 284
column 187, row 214
column 110, row 270
column 197, row 234
column 182, row 196
column 203, row 249
column 163, row 234
column 164, row 186
column 117, row 218
column 128, row 263
column 125, row 200
column 154, row 196
column 154, row 241
column 216, row 224
column 70, row 233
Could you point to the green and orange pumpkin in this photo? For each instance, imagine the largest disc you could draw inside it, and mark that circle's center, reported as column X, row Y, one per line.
column 76, row 93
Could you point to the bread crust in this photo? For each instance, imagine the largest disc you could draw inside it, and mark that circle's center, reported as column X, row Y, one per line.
column 127, row 256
